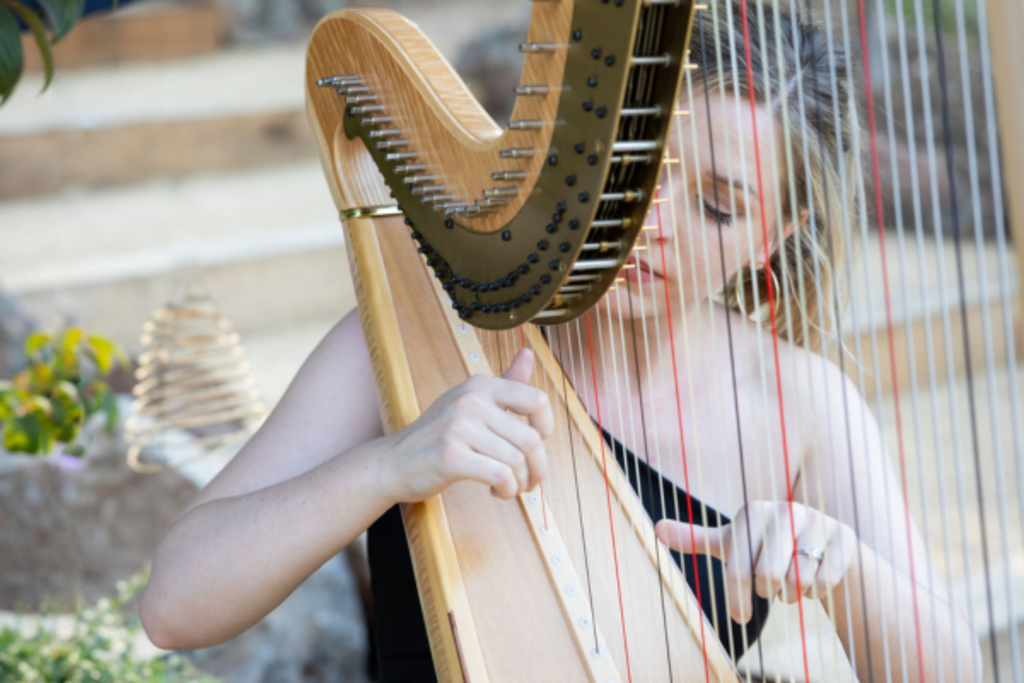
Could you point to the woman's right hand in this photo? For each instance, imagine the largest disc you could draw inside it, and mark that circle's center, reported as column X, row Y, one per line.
column 474, row 432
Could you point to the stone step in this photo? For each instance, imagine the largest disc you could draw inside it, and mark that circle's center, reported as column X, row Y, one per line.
column 146, row 32
column 268, row 242
column 238, row 108
column 920, row 299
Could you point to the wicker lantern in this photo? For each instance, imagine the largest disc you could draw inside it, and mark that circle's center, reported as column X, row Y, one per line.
column 195, row 393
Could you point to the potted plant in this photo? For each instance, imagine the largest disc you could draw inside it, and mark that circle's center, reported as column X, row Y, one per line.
column 45, row 407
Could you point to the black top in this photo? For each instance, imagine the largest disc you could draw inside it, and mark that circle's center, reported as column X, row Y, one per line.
column 400, row 636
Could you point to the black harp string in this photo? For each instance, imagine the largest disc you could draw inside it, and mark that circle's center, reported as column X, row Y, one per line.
column 997, row 201
column 896, row 193
column 674, row 222
column 625, row 469
column 711, row 314
column 861, row 219
column 970, row 129
column 698, row 306
column 837, row 317
column 584, row 383
column 728, row 326
column 937, row 217
column 879, row 394
column 760, row 23
column 912, row 362
column 957, row 241
column 576, row 479
column 630, row 454
column 781, row 298
column 650, row 483
column 823, row 324
column 1000, row 230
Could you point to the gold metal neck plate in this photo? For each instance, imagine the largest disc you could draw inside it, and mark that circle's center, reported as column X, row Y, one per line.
column 362, row 211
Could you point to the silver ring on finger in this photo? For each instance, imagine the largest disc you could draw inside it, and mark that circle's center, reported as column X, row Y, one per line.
column 816, row 554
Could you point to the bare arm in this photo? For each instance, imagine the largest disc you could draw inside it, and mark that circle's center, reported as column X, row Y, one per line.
column 317, row 474
column 863, row 576
column 280, row 509
column 875, row 603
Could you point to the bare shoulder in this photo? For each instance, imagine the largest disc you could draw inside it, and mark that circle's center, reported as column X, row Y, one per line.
column 824, row 408
column 329, row 408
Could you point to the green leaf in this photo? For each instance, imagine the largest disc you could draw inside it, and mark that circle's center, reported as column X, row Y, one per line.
column 75, row 449
column 24, row 434
column 66, row 418
column 34, row 23
column 67, row 390
column 36, row 341
column 11, row 61
column 62, row 15
column 38, row 403
column 72, row 338
column 107, row 353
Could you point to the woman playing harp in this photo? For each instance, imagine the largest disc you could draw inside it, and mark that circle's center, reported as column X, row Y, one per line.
column 774, row 508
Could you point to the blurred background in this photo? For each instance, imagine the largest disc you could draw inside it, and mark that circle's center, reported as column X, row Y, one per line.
column 171, row 154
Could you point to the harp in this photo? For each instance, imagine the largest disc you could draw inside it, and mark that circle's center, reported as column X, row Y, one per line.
column 469, row 241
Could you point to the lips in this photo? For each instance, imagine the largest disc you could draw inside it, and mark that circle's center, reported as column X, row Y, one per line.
column 642, row 272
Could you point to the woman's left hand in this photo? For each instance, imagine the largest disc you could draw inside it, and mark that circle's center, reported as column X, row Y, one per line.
column 765, row 546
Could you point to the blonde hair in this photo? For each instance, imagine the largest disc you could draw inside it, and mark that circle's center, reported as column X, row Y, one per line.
column 806, row 93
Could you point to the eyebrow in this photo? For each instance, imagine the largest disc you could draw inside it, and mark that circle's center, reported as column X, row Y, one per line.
column 734, row 182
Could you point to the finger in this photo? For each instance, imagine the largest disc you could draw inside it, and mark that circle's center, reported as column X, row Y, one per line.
column 487, row 443
column 776, row 554
column 818, row 586
column 813, row 541
column 521, row 369
column 800, row 585
column 838, row 557
column 480, row 468
column 525, row 400
column 523, row 437
column 743, row 551
column 691, row 539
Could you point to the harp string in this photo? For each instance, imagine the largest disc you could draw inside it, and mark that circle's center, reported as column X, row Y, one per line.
column 786, row 281
column 694, row 431
column 576, row 479
column 682, row 436
column 713, row 328
column 658, row 464
column 762, row 364
column 584, row 381
column 987, row 337
column 771, row 294
column 766, row 542
column 608, row 495
column 847, row 223
column 1004, row 287
column 946, row 326
column 697, row 305
column 957, row 241
column 1004, row 279
column 805, row 317
column 804, row 322
column 719, row 621
column 880, row 220
column 825, row 331
column 635, row 459
column 911, row 353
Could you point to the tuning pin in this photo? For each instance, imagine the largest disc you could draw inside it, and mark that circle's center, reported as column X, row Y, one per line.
column 532, row 90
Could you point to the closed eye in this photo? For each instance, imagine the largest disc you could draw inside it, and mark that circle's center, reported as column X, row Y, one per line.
column 717, row 214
